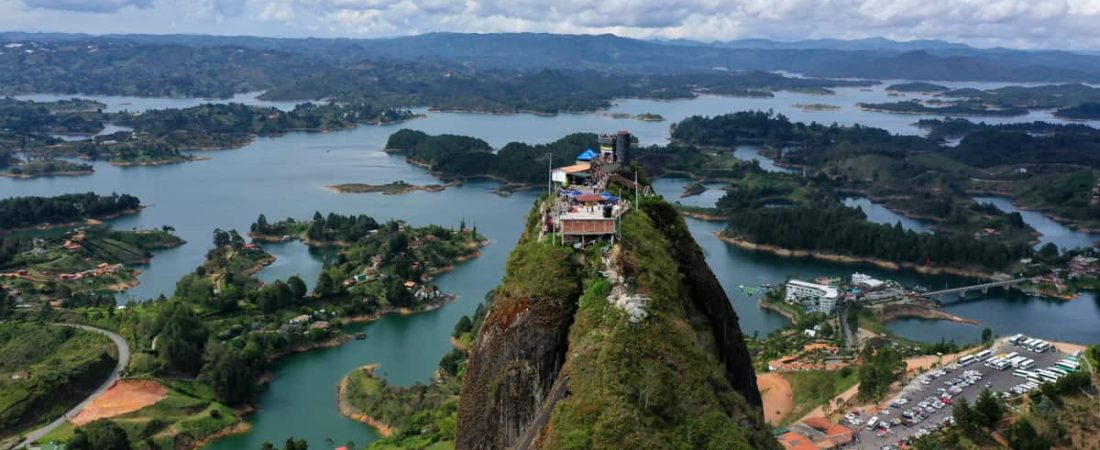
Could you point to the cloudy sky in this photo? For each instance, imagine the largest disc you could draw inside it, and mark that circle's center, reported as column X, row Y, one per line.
column 1060, row 24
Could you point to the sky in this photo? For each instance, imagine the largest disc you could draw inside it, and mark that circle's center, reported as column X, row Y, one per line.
column 1030, row 24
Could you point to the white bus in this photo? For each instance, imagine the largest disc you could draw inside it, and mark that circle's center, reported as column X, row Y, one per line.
column 1026, row 364
column 1023, row 373
column 1035, row 379
column 982, row 355
column 966, row 360
column 1049, row 375
column 871, row 423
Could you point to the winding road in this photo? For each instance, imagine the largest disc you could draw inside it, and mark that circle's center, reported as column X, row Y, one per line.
column 123, row 360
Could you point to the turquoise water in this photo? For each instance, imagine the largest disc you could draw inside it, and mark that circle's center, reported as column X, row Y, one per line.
column 286, row 177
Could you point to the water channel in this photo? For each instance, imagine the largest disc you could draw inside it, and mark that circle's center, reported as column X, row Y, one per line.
column 286, row 177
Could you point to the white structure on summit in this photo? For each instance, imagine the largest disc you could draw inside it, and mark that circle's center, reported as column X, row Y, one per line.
column 816, row 297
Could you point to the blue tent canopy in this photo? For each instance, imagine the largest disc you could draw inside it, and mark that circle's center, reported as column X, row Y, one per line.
column 611, row 198
column 587, row 155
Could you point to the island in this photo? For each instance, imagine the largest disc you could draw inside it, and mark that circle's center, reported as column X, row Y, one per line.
column 35, row 168
column 814, row 107
column 1084, row 111
column 394, row 188
column 959, row 108
column 918, row 87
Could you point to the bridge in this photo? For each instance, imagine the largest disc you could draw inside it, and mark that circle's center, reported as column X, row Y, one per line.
column 983, row 287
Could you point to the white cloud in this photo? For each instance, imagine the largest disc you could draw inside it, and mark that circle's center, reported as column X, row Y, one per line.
column 1029, row 23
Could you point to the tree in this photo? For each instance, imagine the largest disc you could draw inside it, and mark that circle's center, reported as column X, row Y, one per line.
column 230, row 372
column 965, row 417
column 182, row 339
column 7, row 305
column 989, row 410
column 463, row 326
column 298, row 288
column 1024, row 437
column 221, row 238
column 987, row 334
column 325, row 286
column 100, row 435
column 1048, row 251
column 261, row 225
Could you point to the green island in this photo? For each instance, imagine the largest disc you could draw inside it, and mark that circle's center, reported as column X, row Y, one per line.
column 1083, row 111
column 1049, row 96
column 46, row 369
column 25, row 212
column 34, row 168
column 911, row 175
column 957, row 108
column 918, row 86
column 201, row 354
column 158, row 137
column 650, row 117
column 812, row 107
column 395, row 188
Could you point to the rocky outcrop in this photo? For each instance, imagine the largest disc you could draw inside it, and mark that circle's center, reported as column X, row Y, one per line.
column 526, row 387
column 515, row 360
column 709, row 297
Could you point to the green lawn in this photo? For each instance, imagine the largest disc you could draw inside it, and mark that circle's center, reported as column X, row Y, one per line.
column 815, row 387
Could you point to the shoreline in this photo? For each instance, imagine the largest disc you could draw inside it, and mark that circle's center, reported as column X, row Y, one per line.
column 350, row 411
column 897, row 311
column 703, row 216
column 67, row 173
column 832, row 257
column 159, row 162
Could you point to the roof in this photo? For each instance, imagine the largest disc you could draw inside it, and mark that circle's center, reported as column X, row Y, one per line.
column 826, row 426
column 796, row 441
column 590, row 198
column 827, row 291
column 575, row 168
column 587, row 155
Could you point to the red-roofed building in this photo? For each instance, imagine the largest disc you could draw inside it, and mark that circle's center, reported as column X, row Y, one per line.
column 796, row 441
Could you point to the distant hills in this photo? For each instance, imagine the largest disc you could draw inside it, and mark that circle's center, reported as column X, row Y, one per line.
column 875, row 58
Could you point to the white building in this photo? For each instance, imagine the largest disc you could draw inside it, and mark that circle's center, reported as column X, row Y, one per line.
column 818, row 297
column 866, row 281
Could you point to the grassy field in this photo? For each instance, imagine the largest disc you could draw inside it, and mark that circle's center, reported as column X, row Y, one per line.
column 60, row 365
column 814, row 388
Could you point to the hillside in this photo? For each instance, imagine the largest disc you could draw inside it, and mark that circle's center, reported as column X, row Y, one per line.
column 557, row 365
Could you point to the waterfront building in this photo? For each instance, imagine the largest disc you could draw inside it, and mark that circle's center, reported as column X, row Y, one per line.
column 816, row 297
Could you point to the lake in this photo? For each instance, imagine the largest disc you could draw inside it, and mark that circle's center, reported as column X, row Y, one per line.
column 286, row 177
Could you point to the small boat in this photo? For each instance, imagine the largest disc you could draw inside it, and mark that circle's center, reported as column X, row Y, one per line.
column 740, row 286
column 766, row 285
column 360, row 336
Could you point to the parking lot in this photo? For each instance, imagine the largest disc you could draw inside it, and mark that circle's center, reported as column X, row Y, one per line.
column 928, row 390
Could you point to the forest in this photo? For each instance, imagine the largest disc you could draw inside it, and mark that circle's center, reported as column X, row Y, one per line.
column 20, row 212
column 958, row 108
column 454, row 156
column 846, row 231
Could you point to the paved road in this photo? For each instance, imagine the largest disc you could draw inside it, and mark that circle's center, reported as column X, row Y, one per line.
column 123, row 359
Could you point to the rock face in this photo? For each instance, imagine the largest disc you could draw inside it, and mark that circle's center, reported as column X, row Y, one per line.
column 522, row 375
column 516, row 357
